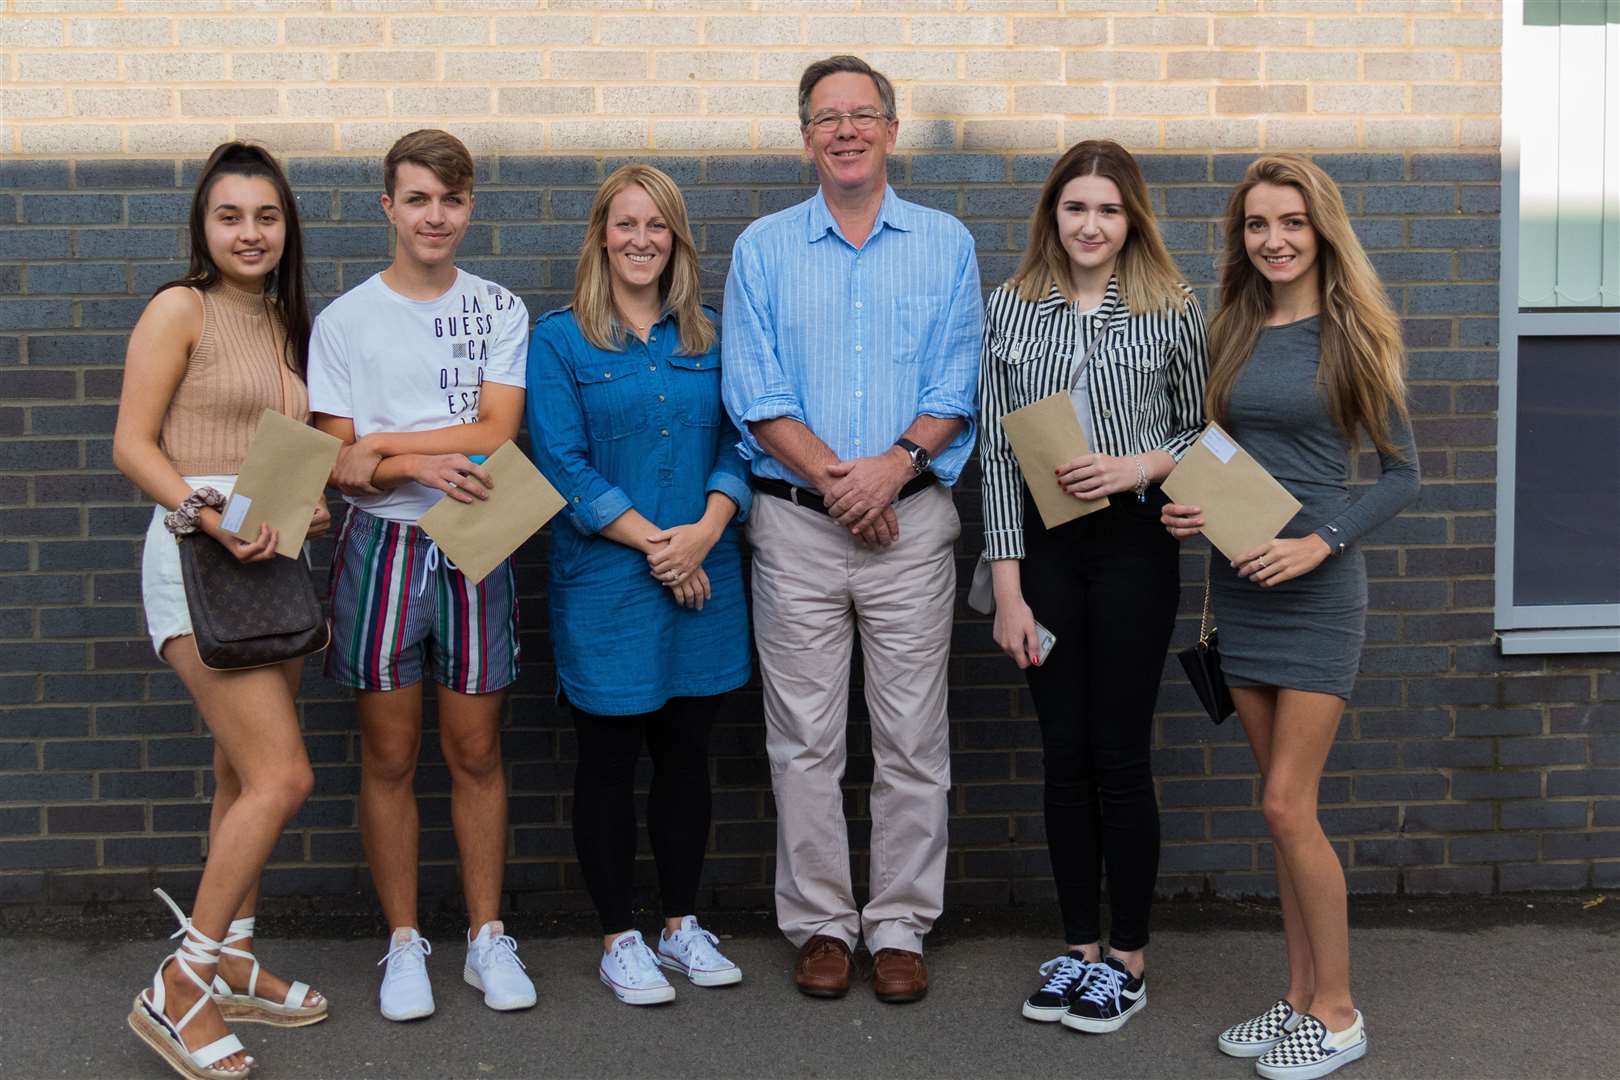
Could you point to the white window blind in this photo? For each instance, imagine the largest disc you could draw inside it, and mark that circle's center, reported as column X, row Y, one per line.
column 1569, row 161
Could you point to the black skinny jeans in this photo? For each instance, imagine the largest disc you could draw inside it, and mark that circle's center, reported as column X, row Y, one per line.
column 677, row 737
column 1107, row 586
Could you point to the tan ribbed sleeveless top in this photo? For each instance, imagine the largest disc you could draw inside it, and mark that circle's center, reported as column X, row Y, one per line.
column 233, row 374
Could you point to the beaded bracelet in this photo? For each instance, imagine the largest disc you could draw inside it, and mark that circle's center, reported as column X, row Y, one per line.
column 1141, row 481
column 182, row 520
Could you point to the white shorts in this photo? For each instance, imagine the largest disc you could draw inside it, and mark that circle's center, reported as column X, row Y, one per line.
column 162, row 591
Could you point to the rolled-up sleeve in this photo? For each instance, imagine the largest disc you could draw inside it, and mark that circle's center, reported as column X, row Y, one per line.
column 753, row 383
column 952, row 385
column 730, row 473
column 557, row 434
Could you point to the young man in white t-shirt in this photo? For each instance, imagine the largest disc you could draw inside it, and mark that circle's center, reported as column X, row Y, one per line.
column 419, row 370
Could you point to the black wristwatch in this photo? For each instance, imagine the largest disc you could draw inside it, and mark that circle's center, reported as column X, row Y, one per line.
column 920, row 457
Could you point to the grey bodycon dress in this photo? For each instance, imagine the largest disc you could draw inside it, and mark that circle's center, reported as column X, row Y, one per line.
column 1304, row 634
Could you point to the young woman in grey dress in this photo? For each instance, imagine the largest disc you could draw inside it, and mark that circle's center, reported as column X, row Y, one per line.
column 1305, row 358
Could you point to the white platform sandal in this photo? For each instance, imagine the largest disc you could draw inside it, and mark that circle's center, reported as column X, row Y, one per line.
column 148, row 1021
column 250, row 1008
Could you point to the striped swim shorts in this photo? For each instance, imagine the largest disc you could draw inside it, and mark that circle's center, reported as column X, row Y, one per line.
column 397, row 603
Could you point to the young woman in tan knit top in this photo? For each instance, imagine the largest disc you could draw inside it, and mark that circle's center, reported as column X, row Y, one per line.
column 210, row 353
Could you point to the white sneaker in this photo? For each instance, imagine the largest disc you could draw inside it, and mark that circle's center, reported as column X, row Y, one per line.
column 692, row 951
column 406, row 993
column 631, row 972
column 1311, row 1050
column 493, row 967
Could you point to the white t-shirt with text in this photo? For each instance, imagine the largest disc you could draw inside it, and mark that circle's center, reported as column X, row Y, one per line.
column 390, row 363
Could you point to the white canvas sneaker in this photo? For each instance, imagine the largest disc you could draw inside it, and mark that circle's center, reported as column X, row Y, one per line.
column 493, row 967
column 631, row 972
column 694, row 952
column 406, row 993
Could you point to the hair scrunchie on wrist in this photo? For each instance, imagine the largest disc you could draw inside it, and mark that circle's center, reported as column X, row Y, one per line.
column 182, row 520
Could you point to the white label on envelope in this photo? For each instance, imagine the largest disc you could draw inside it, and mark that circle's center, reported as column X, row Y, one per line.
column 1219, row 445
column 235, row 511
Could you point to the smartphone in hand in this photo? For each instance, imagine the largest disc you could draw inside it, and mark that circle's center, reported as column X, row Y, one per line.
column 1047, row 639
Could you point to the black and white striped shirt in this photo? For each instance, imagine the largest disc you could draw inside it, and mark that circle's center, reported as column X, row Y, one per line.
column 1147, row 386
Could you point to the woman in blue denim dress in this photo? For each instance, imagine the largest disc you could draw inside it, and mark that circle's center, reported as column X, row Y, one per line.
column 649, row 624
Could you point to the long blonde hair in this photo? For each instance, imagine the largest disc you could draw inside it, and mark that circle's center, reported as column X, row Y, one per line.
column 1363, row 364
column 1148, row 278
column 678, row 286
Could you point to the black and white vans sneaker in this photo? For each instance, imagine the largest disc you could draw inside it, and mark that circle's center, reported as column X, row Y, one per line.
column 1066, row 977
column 1311, row 1050
column 1109, row 999
column 1260, row 1033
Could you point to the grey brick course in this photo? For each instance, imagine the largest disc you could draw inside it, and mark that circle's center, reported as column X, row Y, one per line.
column 1456, row 769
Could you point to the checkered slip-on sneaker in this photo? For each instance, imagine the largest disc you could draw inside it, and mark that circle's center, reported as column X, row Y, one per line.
column 1311, row 1050
column 1260, row 1033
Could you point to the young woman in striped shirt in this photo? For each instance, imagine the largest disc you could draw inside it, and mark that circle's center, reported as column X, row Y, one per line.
column 1096, row 310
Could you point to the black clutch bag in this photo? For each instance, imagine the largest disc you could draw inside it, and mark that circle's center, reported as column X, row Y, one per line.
column 1202, row 663
column 247, row 615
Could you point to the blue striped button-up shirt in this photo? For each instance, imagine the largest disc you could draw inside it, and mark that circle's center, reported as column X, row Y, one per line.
column 855, row 343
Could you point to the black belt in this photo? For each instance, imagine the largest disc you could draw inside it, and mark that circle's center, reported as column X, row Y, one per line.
column 811, row 500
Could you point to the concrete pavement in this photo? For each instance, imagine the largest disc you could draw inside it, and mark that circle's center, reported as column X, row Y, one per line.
column 1467, row 996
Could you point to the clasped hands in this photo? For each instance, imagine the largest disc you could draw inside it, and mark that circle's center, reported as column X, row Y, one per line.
column 860, row 493
column 675, row 559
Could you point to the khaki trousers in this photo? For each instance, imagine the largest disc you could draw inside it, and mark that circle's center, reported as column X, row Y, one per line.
column 814, row 587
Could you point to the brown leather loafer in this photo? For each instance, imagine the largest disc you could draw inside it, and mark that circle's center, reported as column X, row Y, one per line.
column 899, row 976
column 823, row 968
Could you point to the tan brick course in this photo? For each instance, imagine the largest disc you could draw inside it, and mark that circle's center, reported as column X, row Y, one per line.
column 648, row 74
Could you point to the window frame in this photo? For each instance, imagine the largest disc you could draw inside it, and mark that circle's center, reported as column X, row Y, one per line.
column 1540, row 628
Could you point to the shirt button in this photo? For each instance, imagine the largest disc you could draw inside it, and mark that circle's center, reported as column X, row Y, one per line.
column 665, row 433
column 652, row 367
column 857, row 348
column 857, row 442
column 660, row 397
column 576, row 498
column 1096, row 320
column 857, row 393
column 1108, row 414
column 858, row 305
column 607, row 374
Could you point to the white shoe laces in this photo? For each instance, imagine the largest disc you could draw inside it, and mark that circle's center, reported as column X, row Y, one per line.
column 1104, row 986
column 637, row 960
column 501, row 949
column 1063, row 971
column 418, row 944
column 700, row 947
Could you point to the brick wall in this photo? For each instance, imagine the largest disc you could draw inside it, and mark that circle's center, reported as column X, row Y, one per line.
column 349, row 76
column 1457, row 769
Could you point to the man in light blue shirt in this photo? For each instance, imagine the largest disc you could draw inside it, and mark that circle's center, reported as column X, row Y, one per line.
column 851, row 350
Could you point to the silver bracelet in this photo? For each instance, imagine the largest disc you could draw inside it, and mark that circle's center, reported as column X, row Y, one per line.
column 182, row 520
column 1141, row 481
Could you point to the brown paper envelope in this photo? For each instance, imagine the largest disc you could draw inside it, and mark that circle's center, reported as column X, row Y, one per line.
column 478, row 536
column 1043, row 436
column 1243, row 505
column 280, row 482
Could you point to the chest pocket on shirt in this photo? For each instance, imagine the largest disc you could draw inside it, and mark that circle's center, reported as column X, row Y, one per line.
column 911, row 319
column 695, row 381
column 1029, row 370
column 614, row 396
column 1139, row 369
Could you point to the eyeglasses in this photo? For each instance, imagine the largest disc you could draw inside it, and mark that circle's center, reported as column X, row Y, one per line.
column 862, row 120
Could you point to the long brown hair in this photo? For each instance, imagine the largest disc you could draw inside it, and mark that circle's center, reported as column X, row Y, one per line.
column 1148, row 278
column 1363, row 364
column 284, row 285
column 678, row 286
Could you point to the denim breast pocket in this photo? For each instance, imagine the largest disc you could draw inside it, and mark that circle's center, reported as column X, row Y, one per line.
column 614, row 395
column 695, row 381
column 1139, row 368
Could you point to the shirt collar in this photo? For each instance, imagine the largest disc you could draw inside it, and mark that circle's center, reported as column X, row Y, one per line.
column 1111, row 308
column 894, row 212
